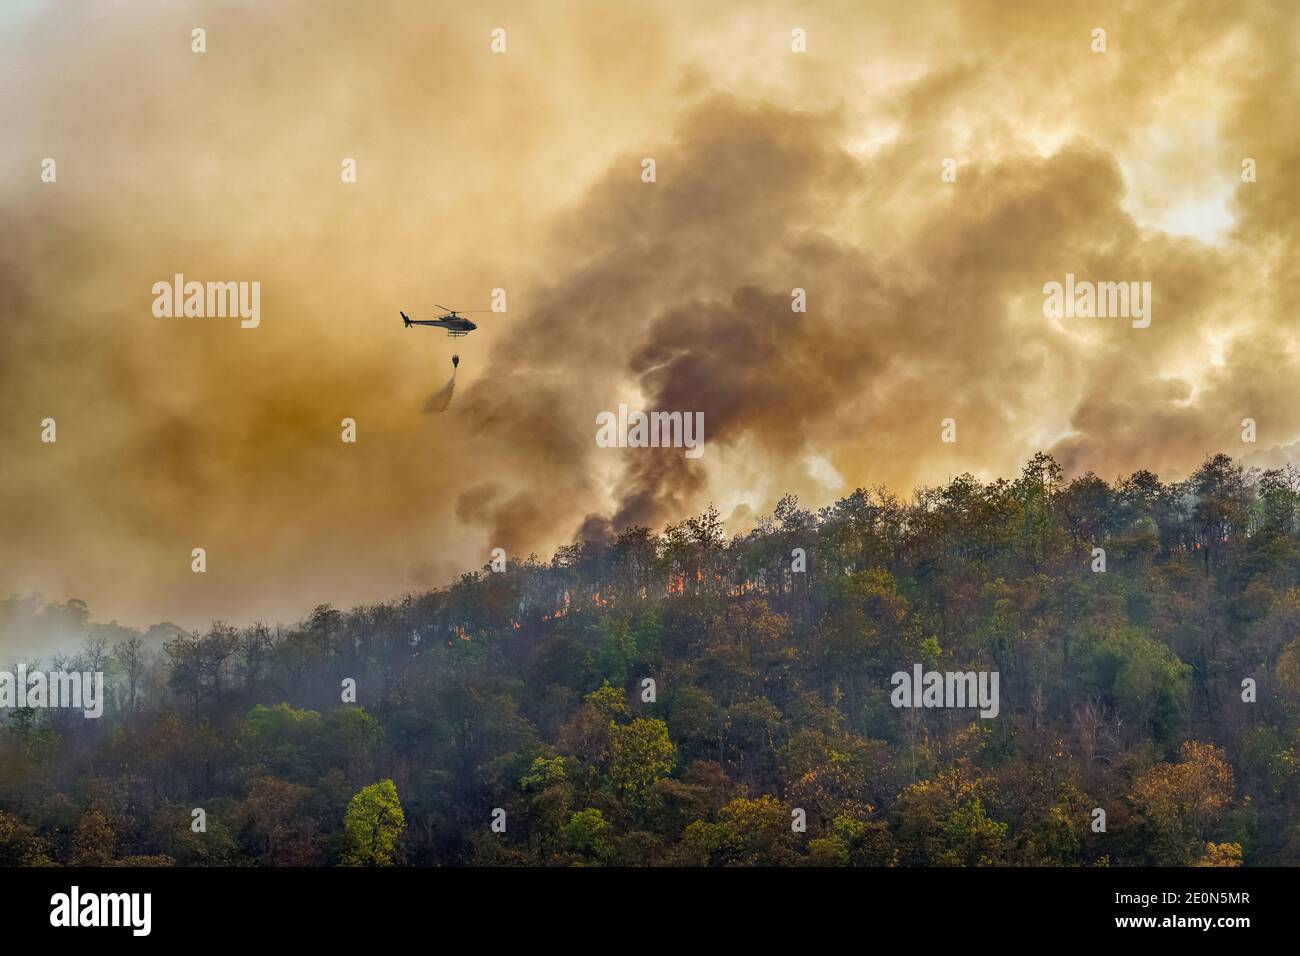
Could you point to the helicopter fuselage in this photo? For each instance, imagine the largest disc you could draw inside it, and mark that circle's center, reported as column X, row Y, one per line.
column 455, row 325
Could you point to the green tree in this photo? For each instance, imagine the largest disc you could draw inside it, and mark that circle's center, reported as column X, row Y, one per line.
column 588, row 834
column 642, row 754
column 942, row 822
column 544, row 772
column 374, row 822
column 608, row 701
column 747, row 833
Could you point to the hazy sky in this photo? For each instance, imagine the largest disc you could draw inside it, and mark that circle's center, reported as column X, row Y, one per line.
column 522, row 170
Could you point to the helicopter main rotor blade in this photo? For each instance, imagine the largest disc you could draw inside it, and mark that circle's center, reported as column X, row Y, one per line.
column 461, row 311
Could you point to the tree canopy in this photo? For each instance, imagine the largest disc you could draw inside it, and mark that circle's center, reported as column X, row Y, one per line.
column 1145, row 634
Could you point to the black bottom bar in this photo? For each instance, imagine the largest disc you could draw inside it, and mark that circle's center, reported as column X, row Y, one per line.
column 926, row 906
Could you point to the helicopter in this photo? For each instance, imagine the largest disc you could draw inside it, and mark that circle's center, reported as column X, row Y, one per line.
column 454, row 322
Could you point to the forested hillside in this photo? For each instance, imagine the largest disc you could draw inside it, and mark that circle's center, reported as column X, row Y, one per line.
column 524, row 691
